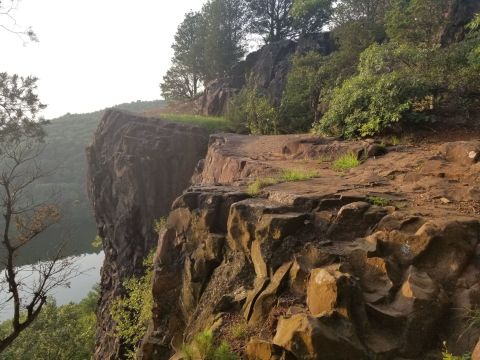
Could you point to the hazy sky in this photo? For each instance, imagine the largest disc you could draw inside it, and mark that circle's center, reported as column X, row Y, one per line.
column 94, row 53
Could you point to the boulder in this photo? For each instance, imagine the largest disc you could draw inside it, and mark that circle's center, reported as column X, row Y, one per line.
column 331, row 289
column 264, row 350
column 355, row 220
column 461, row 152
column 330, row 337
column 414, row 315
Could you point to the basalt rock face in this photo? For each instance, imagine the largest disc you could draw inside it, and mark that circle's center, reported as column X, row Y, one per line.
column 136, row 167
column 267, row 67
column 377, row 262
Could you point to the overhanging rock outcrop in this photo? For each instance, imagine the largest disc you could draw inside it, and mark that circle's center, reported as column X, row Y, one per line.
column 137, row 166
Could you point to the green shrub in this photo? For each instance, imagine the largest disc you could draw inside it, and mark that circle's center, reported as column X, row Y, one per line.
column 369, row 104
column 379, row 201
column 256, row 187
column 297, row 175
column 159, row 224
column 251, row 111
column 132, row 312
column 300, row 98
column 97, row 242
column 64, row 332
column 447, row 355
column 346, row 162
column 204, row 348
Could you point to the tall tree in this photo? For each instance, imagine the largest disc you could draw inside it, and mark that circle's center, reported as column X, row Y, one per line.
column 418, row 21
column 23, row 218
column 271, row 19
column 310, row 16
column 184, row 79
column 225, row 33
column 282, row 19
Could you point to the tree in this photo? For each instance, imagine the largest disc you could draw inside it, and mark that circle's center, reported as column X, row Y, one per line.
column 417, row 21
column 21, row 136
column 271, row 19
column 353, row 10
column 7, row 9
column 183, row 80
column 179, row 84
column 225, row 33
column 64, row 332
column 310, row 16
column 275, row 20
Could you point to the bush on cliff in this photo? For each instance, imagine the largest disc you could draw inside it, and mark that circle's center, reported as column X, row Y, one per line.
column 250, row 111
column 204, row 347
column 132, row 312
column 409, row 79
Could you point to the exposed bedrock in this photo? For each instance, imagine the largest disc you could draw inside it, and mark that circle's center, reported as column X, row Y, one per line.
column 137, row 166
column 371, row 263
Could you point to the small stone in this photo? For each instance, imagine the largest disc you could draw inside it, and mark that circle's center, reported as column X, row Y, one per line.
column 445, row 200
column 473, row 155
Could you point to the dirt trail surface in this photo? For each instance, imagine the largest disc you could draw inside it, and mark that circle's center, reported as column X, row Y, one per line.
column 378, row 261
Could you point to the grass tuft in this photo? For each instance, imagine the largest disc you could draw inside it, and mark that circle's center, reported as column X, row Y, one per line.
column 297, row 175
column 346, row 162
column 378, row 200
column 256, row 187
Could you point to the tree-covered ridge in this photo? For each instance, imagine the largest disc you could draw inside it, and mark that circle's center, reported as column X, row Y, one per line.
column 396, row 63
column 210, row 42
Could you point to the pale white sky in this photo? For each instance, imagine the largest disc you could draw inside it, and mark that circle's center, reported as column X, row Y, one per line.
column 94, row 53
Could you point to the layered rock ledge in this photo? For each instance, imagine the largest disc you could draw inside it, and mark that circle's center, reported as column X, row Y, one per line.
column 377, row 262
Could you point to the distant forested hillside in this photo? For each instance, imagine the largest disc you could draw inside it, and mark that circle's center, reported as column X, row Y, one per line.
column 64, row 155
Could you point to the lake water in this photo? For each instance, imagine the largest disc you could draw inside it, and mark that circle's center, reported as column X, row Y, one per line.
column 88, row 266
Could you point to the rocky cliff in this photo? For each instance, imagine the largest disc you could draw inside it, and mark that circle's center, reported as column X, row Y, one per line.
column 136, row 167
column 380, row 261
column 268, row 68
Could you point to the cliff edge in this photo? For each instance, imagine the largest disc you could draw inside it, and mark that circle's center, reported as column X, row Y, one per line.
column 379, row 261
column 137, row 166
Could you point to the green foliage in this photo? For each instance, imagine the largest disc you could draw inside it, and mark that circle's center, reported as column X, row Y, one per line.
column 475, row 23
column 292, row 175
column 60, row 332
column 97, row 242
column 250, row 110
column 19, row 108
column 159, row 224
column 378, row 201
column 297, row 175
column 204, row 348
column 346, row 162
column 300, row 98
column 225, row 23
column 310, row 16
column 417, row 22
column 132, row 312
column 447, row 355
column 256, row 187
column 367, row 105
column 183, row 80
